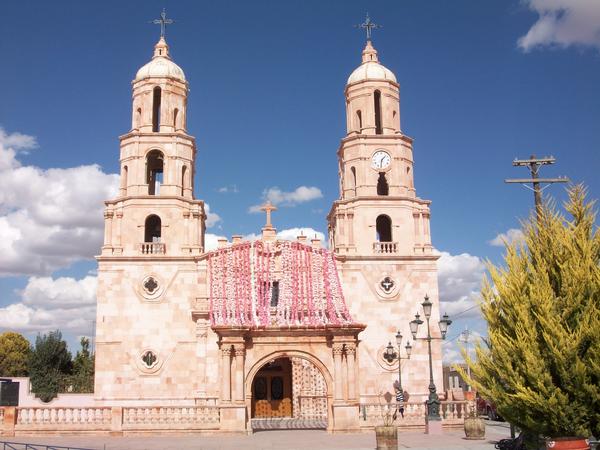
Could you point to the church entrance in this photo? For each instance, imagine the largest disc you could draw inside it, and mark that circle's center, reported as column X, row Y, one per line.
column 289, row 392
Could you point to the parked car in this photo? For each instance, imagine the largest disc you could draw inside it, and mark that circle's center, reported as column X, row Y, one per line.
column 488, row 408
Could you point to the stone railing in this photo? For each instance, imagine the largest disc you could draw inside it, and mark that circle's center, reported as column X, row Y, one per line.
column 385, row 247
column 153, row 248
column 171, row 418
column 63, row 418
column 372, row 414
column 25, row 420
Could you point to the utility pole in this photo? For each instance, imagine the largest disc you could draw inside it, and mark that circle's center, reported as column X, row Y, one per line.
column 464, row 338
column 534, row 165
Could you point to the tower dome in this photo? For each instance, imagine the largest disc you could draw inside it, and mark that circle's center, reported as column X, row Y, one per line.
column 161, row 65
column 371, row 68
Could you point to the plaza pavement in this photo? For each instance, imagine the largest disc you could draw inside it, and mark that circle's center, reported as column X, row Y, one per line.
column 275, row 439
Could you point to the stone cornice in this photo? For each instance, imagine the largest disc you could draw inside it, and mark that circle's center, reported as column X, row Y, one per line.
column 158, row 137
column 153, row 198
column 392, row 258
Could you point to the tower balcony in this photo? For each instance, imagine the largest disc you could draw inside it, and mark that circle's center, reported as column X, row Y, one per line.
column 385, row 247
column 153, row 248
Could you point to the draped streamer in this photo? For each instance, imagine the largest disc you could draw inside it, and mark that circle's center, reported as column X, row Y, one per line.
column 242, row 277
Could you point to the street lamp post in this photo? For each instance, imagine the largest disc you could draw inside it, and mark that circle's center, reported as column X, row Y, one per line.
column 433, row 403
column 390, row 355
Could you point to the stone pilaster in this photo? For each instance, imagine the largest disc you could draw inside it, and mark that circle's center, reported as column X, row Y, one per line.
column 351, row 366
column 338, row 350
column 240, row 353
column 226, row 374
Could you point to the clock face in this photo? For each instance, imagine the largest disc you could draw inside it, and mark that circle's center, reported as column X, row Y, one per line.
column 380, row 160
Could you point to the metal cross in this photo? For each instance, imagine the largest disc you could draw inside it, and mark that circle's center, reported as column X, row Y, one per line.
column 268, row 207
column 163, row 22
column 368, row 25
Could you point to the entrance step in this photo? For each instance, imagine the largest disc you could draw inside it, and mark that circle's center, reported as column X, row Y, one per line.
column 288, row 423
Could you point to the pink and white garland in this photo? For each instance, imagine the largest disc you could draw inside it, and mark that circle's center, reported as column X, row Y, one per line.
column 241, row 278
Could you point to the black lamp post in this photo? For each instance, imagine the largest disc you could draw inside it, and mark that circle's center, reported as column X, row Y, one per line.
column 433, row 403
column 390, row 355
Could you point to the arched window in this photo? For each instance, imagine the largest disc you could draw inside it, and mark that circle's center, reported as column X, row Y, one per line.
column 124, row 181
column 377, row 104
column 184, row 181
column 382, row 185
column 353, row 179
column 152, row 229
column 359, row 121
column 175, row 113
column 154, row 171
column 383, row 226
column 138, row 118
column 156, row 94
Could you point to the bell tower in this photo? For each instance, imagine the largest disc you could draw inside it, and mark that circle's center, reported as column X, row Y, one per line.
column 155, row 212
column 379, row 231
column 149, row 274
column 376, row 171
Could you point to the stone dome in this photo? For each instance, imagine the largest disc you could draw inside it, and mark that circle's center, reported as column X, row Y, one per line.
column 161, row 65
column 371, row 68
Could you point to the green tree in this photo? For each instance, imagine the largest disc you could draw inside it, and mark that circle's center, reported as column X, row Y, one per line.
column 541, row 362
column 82, row 379
column 14, row 354
column 49, row 365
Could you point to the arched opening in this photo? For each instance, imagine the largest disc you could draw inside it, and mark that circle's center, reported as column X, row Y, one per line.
column 138, row 118
column 377, row 104
column 154, row 171
column 383, row 225
column 359, row 121
column 156, row 99
column 175, row 113
column 353, row 179
column 288, row 388
column 183, row 180
column 152, row 229
column 382, row 185
column 124, row 181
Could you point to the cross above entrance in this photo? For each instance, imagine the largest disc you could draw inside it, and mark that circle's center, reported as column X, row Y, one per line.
column 267, row 208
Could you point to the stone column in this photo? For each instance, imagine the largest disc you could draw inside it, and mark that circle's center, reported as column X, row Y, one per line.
column 351, row 229
column 350, row 361
column 240, row 352
column 226, row 373
column 338, row 349
column 108, row 217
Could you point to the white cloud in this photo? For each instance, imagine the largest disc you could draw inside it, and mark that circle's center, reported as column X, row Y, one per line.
column 49, row 304
column 49, row 218
column 211, row 241
column 511, row 236
column 211, row 218
column 229, row 189
column 459, row 278
column 278, row 197
column 563, row 23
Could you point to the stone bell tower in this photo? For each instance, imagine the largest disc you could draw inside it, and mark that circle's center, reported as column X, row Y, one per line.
column 379, row 230
column 154, row 231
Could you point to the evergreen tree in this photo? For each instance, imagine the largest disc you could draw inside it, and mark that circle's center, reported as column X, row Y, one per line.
column 49, row 365
column 82, row 379
column 541, row 362
column 14, row 354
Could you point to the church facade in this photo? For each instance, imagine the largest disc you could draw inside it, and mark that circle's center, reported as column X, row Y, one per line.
column 267, row 328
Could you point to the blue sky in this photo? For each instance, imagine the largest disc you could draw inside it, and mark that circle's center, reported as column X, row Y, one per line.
column 481, row 84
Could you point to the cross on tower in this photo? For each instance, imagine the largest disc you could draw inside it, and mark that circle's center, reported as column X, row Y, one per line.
column 163, row 22
column 267, row 208
column 368, row 25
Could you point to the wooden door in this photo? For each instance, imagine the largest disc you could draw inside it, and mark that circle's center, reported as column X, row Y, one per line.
column 272, row 390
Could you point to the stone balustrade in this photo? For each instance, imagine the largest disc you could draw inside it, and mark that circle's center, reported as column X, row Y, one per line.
column 385, row 247
column 25, row 420
column 452, row 412
column 171, row 418
column 153, row 248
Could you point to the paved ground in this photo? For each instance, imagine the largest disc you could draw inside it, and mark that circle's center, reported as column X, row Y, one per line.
column 276, row 439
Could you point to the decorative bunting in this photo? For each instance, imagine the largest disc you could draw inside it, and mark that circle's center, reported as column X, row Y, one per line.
column 243, row 281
